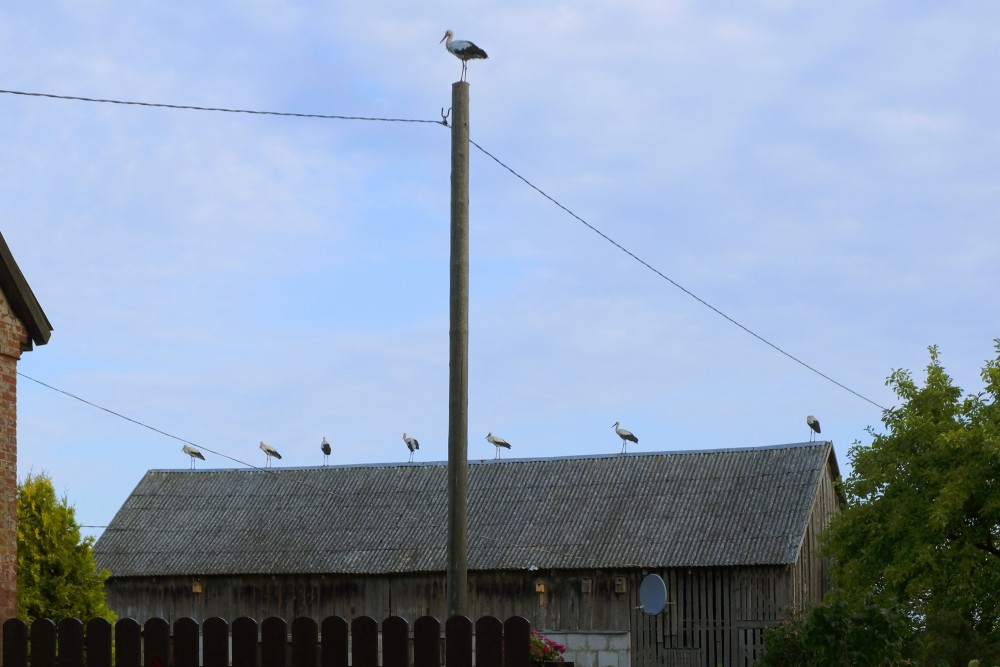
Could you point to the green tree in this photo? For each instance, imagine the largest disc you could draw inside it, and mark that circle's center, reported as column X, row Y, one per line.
column 839, row 634
column 57, row 576
column 922, row 527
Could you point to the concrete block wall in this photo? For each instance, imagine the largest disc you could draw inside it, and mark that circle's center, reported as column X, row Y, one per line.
column 594, row 649
column 13, row 337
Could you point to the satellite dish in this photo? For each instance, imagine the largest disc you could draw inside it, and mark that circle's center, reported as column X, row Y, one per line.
column 652, row 594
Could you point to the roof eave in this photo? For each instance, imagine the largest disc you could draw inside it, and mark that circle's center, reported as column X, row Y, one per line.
column 22, row 299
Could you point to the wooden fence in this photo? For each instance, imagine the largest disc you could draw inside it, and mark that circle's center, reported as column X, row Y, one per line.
column 244, row 643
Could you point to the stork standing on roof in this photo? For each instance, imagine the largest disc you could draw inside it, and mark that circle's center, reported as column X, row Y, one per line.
column 411, row 444
column 814, row 425
column 325, row 448
column 625, row 435
column 270, row 451
column 193, row 453
column 497, row 442
column 463, row 50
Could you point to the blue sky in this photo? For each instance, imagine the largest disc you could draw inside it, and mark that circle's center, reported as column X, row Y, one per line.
column 827, row 175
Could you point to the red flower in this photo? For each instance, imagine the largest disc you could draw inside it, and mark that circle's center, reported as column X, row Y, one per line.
column 544, row 649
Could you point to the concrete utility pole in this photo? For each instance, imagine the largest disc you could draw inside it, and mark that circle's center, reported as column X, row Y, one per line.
column 458, row 360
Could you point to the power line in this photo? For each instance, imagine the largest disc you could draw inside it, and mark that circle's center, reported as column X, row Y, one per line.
column 136, row 421
column 534, row 187
column 221, row 109
column 671, row 280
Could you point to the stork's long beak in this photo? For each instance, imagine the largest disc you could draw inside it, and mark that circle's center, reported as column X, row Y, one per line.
column 444, row 38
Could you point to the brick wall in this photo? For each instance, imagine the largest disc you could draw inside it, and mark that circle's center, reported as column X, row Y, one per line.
column 13, row 335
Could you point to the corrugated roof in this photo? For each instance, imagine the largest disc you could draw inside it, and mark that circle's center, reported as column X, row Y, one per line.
column 668, row 509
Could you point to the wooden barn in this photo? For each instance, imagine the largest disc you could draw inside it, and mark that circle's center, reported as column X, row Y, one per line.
column 564, row 542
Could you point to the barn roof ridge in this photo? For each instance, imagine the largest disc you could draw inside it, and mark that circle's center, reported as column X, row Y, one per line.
column 490, row 461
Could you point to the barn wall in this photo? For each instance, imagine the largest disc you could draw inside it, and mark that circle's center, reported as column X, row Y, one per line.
column 810, row 572
column 714, row 616
column 565, row 601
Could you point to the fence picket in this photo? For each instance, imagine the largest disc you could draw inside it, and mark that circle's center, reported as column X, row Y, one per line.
column 156, row 643
column 215, row 642
column 458, row 642
column 334, row 650
column 244, row 642
column 273, row 642
column 69, row 642
column 15, row 642
column 364, row 642
column 43, row 654
column 427, row 642
column 489, row 642
column 395, row 642
column 517, row 642
column 305, row 639
column 98, row 643
column 186, row 641
column 128, row 643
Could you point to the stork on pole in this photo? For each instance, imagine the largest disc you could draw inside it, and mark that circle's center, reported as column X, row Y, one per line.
column 463, row 50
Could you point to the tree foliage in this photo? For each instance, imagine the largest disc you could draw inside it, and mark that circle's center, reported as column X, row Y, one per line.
column 839, row 634
column 917, row 550
column 57, row 576
column 922, row 526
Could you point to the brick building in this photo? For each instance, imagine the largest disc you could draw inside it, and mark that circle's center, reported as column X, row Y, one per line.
column 22, row 324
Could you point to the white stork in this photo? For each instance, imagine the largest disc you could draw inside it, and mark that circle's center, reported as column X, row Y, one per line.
column 325, row 447
column 270, row 451
column 814, row 425
column 625, row 435
column 193, row 453
column 411, row 444
column 497, row 442
column 463, row 50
